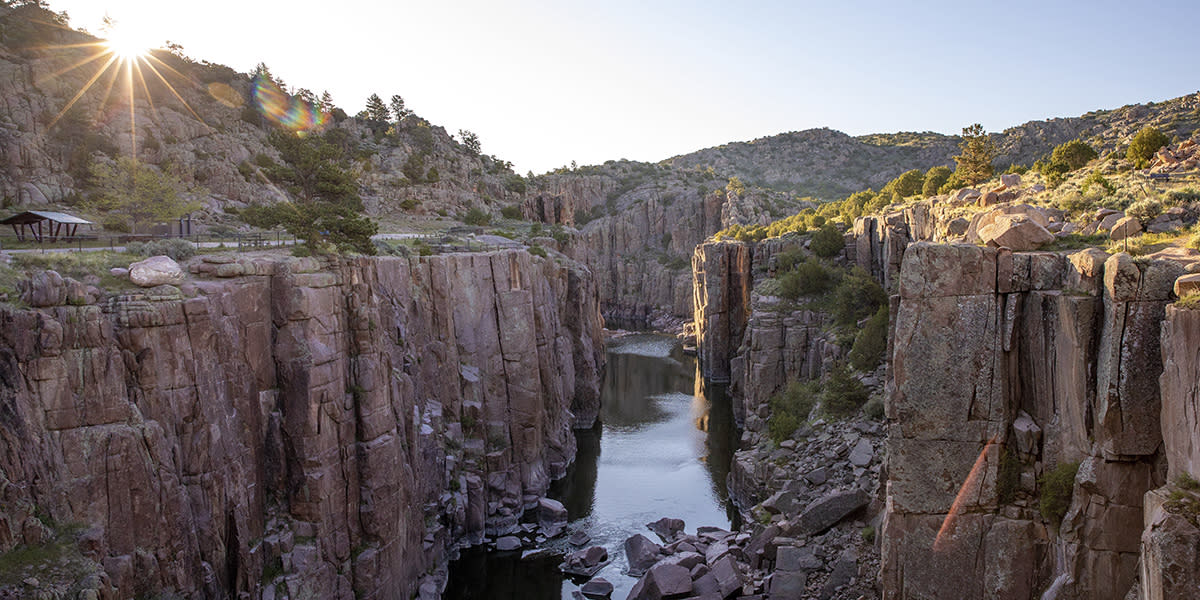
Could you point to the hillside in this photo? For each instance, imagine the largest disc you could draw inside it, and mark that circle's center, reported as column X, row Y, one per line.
column 828, row 164
column 199, row 123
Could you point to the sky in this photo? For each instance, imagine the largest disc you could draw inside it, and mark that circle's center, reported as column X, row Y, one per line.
column 546, row 83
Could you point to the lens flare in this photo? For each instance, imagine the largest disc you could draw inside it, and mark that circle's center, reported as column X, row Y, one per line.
column 128, row 42
column 295, row 114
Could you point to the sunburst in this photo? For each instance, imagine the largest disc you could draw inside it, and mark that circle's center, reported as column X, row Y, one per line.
column 125, row 54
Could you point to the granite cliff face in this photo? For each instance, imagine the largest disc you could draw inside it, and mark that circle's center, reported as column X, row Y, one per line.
column 1004, row 367
column 638, row 225
column 299, row 431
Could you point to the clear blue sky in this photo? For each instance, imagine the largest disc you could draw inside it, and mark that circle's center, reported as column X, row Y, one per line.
column 543, row 83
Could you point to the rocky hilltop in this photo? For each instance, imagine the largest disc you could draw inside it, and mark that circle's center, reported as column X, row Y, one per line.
column 829, row 164
column 290, row 428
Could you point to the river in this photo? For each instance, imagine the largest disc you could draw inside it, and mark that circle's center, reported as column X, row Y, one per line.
column 662, row 449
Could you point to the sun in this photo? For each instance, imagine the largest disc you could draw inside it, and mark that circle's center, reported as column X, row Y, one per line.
column 127, row 42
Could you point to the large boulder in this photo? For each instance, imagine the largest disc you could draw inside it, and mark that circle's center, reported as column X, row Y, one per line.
column 667, row 529
column 156, row 270
column 1018, row 232
column 44, row 288
column 641, row 554
column 826, row 512
column 552, row 516
column 1187, row 284
column 1125, row 227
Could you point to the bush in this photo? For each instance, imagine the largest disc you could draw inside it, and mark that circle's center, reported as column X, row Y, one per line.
column 475, row 216
column 1057, row 486
column 844, row 394
column 871, row 342
column 537, row 250
column 1074, row 154
column 828, row 241
column 512, row 211
column 1096, row 179
column 790, row 408
column 857, row 297
column 1183, row 196
column 806, row 279
column 1145, row 210
column 874, row 408
column 909, row 183
column 1144, row 145
column 788, row 259
column 176, row 248
column 935, row 178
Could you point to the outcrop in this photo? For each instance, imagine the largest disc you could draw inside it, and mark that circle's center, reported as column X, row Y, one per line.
column 301, row 430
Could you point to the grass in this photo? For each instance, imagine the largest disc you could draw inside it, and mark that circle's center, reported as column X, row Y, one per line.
column 1147, row 243
column 1189, row 302
column 1184, row 500
column 76, row 265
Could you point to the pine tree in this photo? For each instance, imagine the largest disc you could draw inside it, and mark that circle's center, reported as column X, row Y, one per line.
column 471, row 141
column 399, row 109
column 975, row 162
column 377, row 110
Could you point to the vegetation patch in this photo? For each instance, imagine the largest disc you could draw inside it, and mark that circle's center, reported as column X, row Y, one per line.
column 790, row 408
column 1057, row 487
column 1184, row 499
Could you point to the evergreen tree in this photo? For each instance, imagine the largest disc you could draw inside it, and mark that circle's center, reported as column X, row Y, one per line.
column 975, row 161
column 399, row 109
column 376, row 110
column 1144, row 145
column 327, row 209
column 935, row 178
column 471, row 141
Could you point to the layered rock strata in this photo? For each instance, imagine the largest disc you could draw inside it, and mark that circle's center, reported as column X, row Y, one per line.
column 299, row 431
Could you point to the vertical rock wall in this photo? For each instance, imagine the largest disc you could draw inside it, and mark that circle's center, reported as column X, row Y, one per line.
column 1005, row 366
column 329, row 433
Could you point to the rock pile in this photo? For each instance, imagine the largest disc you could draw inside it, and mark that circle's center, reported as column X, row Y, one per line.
column 810, row 538
column 1183, row 157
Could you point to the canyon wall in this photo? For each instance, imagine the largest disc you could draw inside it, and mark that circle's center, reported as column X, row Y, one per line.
column 300, row 431
column 1005, row 371
column 638, row 224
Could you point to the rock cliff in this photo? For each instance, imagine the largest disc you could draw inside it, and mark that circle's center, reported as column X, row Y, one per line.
column 637, row 226
column 300, row 431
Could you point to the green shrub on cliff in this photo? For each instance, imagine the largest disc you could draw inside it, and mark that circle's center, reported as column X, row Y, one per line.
column 808, row 278
column 871, row 342
column 790, row 408
column 1184, row 499
column 1057, row 486
column 935, row 178
column 844, row 394
column 828, row 241
column 857, row 297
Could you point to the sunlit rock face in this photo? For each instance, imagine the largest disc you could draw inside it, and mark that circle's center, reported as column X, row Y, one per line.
column 1005, row 366
column 324, row 429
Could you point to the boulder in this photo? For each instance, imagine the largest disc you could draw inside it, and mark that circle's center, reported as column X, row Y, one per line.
column 957, row 226
column 156, row 270
column 781, row 502
column 826, row 512
column 1125, row 227
column 667, row 529
column 1010, row 180
column 1018, row 232
column 668, row 581
column 728, row 575
column 1187, row 284
column 508, row 543
column 44, row 288
column 552, row 516
column 641, row 554
column 1027, row 434
column 585, row 563
column 597, row 588
column 862, row 453
column 1108, row 219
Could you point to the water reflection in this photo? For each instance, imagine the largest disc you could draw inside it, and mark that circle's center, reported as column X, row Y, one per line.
column 663, row 448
